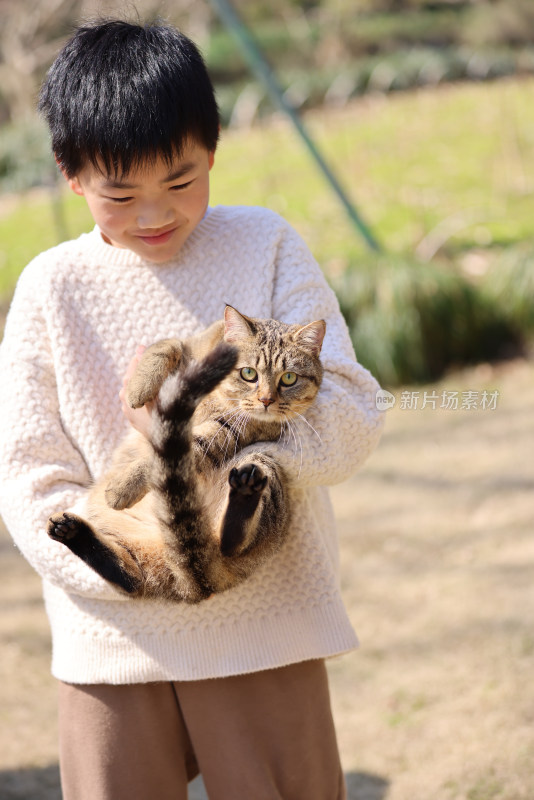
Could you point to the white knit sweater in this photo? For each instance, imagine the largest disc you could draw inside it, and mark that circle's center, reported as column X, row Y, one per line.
column 79, row 311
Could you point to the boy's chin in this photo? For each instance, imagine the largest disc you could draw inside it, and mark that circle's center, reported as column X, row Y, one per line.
column 161, row 252
column 157, row 254
column 157, row 258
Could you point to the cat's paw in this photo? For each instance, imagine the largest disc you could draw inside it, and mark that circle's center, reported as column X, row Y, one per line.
column 118, row 500
column 158, row 361
column 63, row 526
column 247, row 483
column 246, row 480
column 138, row 396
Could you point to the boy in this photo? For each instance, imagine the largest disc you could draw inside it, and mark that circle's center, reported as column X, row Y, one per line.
column 152, row 693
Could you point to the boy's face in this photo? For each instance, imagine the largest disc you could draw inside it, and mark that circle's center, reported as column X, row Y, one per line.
column 154, row 208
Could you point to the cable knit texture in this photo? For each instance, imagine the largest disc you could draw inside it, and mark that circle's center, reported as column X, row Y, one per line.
column 78, row 314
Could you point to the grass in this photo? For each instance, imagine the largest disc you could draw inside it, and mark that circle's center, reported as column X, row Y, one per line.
column 410, row 161
column 29, row 224
column 463, row 154
column 414, row 321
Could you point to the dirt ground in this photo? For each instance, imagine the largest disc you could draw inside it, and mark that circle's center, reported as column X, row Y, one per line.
column 437, row 554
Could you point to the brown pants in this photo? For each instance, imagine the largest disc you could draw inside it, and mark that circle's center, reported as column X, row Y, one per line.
column 264, row 736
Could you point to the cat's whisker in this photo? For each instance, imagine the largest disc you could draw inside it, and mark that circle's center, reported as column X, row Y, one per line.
column 284, row 431
column 292, row 431
column 303, row 418
column 233, row 413
column 226, row 416
column 233, row 421
column 246, row 419
column 244, row 423
column 232, row 433
column 239, row 423
column 298, row 442
column 290, row 435
column 237, row 420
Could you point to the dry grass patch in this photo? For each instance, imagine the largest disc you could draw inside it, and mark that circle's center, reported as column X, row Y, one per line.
column 438, row 565
column 437, row 561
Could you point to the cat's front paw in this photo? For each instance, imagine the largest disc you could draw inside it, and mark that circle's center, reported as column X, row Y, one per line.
column 246, row 480
column 63, row 526
column 137, row 396
column 158, row 361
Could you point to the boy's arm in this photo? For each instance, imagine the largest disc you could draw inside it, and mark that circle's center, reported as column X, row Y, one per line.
column 41, row 471
column 343, row 426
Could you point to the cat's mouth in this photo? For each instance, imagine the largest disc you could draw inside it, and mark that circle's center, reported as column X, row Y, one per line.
column 267, row 413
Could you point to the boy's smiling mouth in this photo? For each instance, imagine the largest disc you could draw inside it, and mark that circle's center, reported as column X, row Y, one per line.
column 156, row 238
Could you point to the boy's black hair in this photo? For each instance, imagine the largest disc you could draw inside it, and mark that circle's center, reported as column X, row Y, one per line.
column 120, row 94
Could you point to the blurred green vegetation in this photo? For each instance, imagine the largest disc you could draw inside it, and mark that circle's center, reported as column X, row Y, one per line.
column 332, row 50
column 411, row 322
column 443, row 176
column 460, row 157
column 321, row 50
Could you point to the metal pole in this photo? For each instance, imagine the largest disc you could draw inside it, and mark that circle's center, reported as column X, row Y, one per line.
column 264, row 73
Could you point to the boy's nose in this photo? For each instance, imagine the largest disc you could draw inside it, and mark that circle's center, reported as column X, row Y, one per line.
column 154, row 215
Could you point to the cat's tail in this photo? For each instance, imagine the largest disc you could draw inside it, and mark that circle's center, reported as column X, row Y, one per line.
column 171, row 435
column 181, row 392
column 179, row 508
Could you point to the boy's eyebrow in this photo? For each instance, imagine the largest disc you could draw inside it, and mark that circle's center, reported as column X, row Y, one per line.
column 183, row 169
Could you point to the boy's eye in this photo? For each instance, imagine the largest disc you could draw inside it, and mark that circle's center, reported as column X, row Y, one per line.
column 288, row 378
column 248, row 374
column 180, row 186
column 120, row 199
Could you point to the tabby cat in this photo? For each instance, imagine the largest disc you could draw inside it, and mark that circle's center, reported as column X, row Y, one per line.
column 187, row 513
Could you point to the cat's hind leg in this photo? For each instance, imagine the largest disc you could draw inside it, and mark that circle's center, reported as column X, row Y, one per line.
column 125, row 489
column 247, row 484
column 76, row 534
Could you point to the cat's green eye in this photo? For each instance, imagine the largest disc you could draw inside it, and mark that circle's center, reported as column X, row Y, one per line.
column 288, row 378
column 248, row 374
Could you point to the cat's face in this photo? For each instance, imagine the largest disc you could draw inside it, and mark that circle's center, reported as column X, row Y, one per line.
column 278, row 372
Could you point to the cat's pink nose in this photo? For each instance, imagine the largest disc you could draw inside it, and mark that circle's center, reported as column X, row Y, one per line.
column 267, row 401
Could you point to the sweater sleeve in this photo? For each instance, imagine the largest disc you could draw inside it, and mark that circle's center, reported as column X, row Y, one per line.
column 41, row 471
column 343, row 426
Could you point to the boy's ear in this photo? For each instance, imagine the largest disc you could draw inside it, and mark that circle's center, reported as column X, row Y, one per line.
column 211, row 158
column 73, row 183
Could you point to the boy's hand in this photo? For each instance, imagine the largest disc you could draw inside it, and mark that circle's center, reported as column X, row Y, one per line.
column 139, row 418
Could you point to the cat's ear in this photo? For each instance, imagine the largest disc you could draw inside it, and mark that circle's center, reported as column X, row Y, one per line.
column 311, row 336
column 236, row 326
